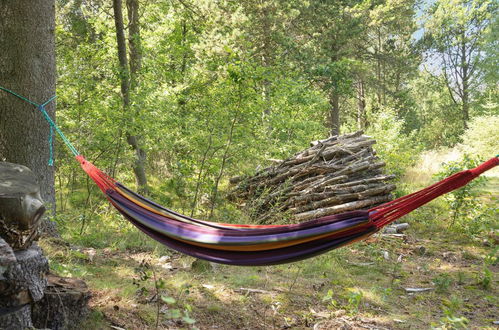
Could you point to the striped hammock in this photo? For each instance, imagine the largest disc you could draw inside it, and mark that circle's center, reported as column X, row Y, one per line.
column 258, row 245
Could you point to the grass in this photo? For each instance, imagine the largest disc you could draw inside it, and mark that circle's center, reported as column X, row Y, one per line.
column 351, row 285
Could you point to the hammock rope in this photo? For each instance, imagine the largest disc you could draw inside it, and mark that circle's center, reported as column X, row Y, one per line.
column 50, row 121
column 257, row 245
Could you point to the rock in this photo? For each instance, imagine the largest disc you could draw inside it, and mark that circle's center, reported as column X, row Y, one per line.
column 64, row 304
column 396, row 228
column 400, row 227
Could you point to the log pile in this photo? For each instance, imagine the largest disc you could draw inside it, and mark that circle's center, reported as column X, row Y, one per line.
column 339, row 174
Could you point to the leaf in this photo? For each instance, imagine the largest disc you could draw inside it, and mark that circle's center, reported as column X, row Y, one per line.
column 168, row 300
column 174, row 314
column 187, row 319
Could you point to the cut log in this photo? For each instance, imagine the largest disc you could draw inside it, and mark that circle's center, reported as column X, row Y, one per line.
column 334, row 175
column 18, row 317
column 21, row 206
column 322, row 212
column 23, row 281
column 64, row 305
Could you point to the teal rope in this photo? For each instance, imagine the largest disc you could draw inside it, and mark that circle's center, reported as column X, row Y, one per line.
column 52, row 124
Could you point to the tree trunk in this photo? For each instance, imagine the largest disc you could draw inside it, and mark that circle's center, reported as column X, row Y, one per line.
column 134, row 41
column 27, row 66
column 200, row 174
column 334, row 113
column 222, row 167
column 128, row 80
column 266, row 63
column 465, row 87
column 361, row 106
column 378, row 55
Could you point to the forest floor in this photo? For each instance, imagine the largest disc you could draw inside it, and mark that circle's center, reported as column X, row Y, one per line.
column 360, row 286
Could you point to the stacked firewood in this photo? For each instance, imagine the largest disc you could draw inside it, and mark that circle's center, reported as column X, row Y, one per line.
column 341, row 173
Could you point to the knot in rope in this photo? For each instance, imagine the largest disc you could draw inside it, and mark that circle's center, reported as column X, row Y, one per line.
column 52, row 124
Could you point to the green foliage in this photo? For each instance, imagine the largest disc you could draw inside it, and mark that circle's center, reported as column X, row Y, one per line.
column 451, row 320
column 442, row 282
column 354, row 300
column 225, row 86
column 480, row 139
column 329, row 299
column 394, row 146
column 175, row 310
column 485, row 278
column 469, row 213
column 436, row 121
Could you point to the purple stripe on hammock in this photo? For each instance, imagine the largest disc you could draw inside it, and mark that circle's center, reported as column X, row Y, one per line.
column 222, row 237
column 309, row 223
column 275, row 230
column 259, row 258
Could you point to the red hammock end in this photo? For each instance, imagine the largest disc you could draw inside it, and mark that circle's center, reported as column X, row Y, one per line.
column 386, row 213
column 102, row 180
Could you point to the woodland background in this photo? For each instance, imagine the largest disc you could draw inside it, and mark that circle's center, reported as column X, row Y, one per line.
column 198, row 91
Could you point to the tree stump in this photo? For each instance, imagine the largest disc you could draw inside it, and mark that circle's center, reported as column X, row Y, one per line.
column 22, row 264
column 64, row 304
column 25, row 298
column 22, row 282
column 11, row 317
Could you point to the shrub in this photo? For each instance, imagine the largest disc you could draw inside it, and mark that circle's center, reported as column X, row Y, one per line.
column 480, row 139
column 469, row 213
column 396, row 148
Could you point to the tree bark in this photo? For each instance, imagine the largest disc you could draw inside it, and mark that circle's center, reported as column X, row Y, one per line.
column 465, row 87
column 134, row 41
column 128, row 75
column 27, row 66
column 361, row 106
column 334, row 102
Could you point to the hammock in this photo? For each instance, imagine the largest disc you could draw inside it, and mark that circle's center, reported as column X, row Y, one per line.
column 259, row 245
column 253, row 245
